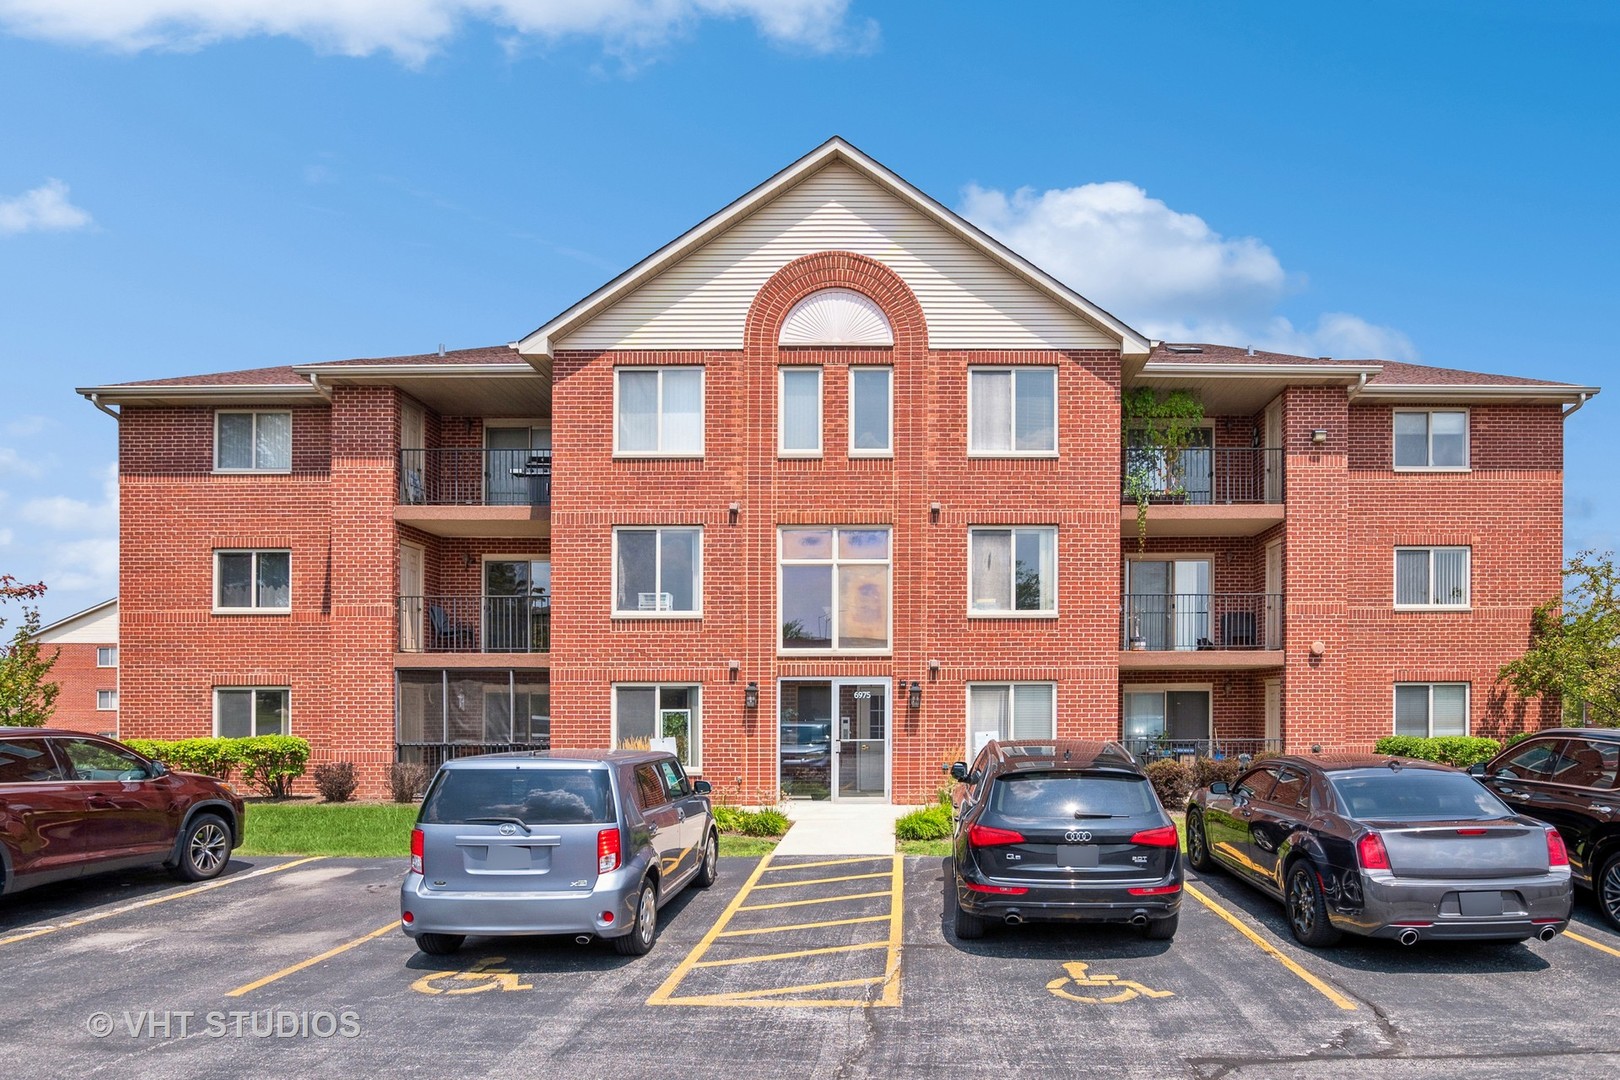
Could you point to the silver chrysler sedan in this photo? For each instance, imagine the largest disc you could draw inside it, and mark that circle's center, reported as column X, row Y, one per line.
column 581, row 842
column 1385, row 847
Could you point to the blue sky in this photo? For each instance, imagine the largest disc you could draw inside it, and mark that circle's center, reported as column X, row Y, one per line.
column 254, row 182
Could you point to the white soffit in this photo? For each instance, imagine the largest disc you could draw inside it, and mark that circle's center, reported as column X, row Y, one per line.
column 836, row 317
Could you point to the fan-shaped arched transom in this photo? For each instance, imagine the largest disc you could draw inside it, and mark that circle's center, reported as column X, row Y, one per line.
column 836, row 317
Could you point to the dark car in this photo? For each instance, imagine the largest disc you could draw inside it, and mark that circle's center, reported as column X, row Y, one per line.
column 74, row 804
column 1062, row 831
column 590, row 843
column 1567, row 777
column 1384, row 847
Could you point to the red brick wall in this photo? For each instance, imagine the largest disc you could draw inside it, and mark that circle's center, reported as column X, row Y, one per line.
column 76, row 673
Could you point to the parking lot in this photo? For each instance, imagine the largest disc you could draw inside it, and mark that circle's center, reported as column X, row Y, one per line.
column 790, row 967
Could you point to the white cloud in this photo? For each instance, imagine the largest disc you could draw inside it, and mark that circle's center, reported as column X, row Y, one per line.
column 1169, row 273
column 23, row 426
column 44, row 209
column 413, row 29
column 14, row 464
column 74, row 541
column 5, row 537
column 84, row 565
column 63, row 514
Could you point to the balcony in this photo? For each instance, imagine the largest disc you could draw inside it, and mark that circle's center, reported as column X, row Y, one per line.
column 1154, row 747
column 1202, row 630
column 1206, row 491
column 517, row 627
column 474, row 491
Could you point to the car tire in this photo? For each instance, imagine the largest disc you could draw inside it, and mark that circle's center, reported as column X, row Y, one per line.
column 205, row 848
column 639, row 941
column 1162, row 929
column 440, row 944
column 709, row 864
column 1607, row 888
column 968, row 927
column 1307, row 907
column 1198, row 856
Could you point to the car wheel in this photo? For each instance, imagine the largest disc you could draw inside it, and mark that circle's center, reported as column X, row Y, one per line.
column 1162, row 929
column 639, row 941
column 709, row 868
column 1198, row 856
column 1608, row 888
column 968, row 927
column 205, row 848
column 439, row 944
column 1307, row 907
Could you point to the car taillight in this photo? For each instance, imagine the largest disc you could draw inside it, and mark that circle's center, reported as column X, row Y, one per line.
column 1164, row 836
column 417, row 846
column 998, row 890
column 986, row 836
column 1371, row 852
column 1557, row 853
column 607, row 850
column 1155, row 890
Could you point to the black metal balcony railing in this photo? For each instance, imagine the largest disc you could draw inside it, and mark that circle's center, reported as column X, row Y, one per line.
column 1192, row 621
column 1154, row 747
column 1202, row 476
column 437, row 624
column 474, row 476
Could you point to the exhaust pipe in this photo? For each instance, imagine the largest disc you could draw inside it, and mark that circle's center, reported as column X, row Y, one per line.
column 1014, row 919
column 582, row 939
column 1408, row 937
column 1139, row 919
column 1547, row 933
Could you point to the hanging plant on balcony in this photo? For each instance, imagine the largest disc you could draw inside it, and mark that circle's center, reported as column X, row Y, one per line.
column 1157, row 429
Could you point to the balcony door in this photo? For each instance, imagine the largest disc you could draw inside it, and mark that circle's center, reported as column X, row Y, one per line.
column 1167, row 602
column 1274, row 452
column 517, row 604
column 411, row 557
column 517, row 467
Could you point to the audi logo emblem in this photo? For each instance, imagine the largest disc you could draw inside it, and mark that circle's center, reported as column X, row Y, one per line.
column 1077, row 836
column 508, row 830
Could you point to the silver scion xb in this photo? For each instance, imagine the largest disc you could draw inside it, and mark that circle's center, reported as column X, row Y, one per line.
column 584, row 842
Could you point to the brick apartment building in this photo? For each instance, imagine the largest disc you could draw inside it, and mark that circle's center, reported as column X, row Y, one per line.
column 827, row 490
column 86, row 668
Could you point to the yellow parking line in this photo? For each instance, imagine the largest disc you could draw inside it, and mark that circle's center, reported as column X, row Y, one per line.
column 891, row 969
column 734, row 961
column 1598, row 945
column 750, row 997
column 661, row 995
column 816, row 900
column 803, row 926
column 312, row 961
column 825, row 862
column 155, row 900
column 819, row 881
column 1265, row 946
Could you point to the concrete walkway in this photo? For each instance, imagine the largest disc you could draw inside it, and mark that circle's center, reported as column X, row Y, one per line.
column 840, row 828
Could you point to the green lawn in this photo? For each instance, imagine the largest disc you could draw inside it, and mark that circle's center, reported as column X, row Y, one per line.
column 943, row 847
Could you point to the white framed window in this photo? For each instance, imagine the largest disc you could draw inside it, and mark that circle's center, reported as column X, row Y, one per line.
column 658, row 572
column 248, row 441
column 1012, row 571
column 658, row 412
column 1024, row 710
column 1428, row 709
column 1165, row 715
column 1432, row 577
column 106, row 700
column 106, row 656
column 1012, row 412
column 646, row 711
column 1431, row 439
column 833, row 589
column 871, row 411
column 241, row 711
column 255, row 581
column 798, row 412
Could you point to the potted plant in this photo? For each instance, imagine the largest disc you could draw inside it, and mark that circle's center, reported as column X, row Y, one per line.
column 1157, row 429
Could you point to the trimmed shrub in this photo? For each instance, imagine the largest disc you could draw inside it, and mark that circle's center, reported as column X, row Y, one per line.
column 765, row 823
column 336, row 781
column 1514, row 740
column 930, row 823
column 1206, row 771
column 729, row 819
column 1172, row 782
column 406, row 779
column 210, row 757
column 1459, row 751
column 270, row 763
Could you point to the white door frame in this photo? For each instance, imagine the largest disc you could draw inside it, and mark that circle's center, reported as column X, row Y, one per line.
column 414, row 620
column 1274, row 597
column 832, row 771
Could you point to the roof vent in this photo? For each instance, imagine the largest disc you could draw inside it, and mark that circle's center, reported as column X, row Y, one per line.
column 1184, row 348
column 1251, row 350
column 441, row 348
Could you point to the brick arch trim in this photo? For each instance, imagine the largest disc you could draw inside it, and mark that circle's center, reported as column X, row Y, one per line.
column 832, row 270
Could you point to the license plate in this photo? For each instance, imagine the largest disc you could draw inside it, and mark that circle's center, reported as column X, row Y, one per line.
column 1479, row 903
column 1077, row 855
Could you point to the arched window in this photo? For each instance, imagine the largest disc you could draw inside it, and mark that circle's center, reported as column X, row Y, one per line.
column 836, row 317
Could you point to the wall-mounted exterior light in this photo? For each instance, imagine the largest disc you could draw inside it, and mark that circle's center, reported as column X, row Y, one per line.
column 914, row 698
column 751, row 696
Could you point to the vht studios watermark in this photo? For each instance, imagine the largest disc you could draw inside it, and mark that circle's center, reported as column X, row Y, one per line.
column 233, row 1024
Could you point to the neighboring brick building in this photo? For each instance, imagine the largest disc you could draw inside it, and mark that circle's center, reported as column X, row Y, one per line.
column 86, row 669
column 838, row 489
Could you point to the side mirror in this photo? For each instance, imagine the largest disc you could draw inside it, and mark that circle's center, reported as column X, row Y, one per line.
column 701, row 787
column 959, row 771
column 1477, row 769
column 156, row 769
column 1220, row 787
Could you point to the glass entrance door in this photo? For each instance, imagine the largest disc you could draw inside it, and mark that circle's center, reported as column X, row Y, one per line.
column 833, row 738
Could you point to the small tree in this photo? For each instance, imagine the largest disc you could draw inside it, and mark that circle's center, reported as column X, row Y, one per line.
column 1575, row 642
column 27, row 692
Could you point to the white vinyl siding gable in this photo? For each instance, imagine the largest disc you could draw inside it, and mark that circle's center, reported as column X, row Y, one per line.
column 968, row 299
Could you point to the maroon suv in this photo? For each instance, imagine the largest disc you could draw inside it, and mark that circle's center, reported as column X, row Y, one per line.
column 74, row 804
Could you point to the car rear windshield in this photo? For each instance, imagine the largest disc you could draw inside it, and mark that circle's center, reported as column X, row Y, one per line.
column 1416, row 795
column 1071, row 795
column 532, row 796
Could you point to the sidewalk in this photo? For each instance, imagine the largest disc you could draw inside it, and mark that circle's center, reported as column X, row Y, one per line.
column 840, row 828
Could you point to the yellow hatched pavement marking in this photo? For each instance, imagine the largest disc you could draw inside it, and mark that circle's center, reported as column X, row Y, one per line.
column 803, row 926
column 312, row 961
column 819, row 881
column 1598, row 945
column 155, row 900
column 1271, row 950
column 817, row 900
column 824, row 951
column 825, row 862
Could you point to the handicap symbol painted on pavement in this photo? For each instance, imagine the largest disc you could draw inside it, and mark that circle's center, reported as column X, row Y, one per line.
column 1123, row 989
column 482, row 976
